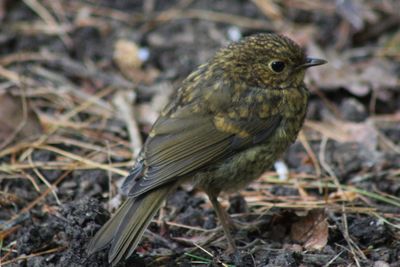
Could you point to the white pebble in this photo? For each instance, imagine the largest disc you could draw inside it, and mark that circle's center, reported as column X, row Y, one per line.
column 282, row 170
column 144, row 54
column 234, row 33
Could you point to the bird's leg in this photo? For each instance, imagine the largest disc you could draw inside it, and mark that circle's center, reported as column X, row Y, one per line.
column 226, row 222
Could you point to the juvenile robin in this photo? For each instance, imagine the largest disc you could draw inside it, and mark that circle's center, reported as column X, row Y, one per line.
column 229, row 121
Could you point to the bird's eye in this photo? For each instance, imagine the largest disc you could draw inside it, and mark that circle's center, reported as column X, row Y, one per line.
column 277, row 66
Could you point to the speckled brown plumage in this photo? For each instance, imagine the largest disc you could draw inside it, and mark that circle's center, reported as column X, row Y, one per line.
column 229, row 121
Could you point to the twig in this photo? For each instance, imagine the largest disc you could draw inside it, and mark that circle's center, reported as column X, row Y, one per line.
column 84, row 160
column 230, row 19
column 44, row 180
column 333, row 259
column 179, row 225
column 353, row 246
column 50, row 251
column 310, row 153
column 326, row 166
column 38, row 199
column 46, row 16
column 16, row 167
column 66, row 116
column 124, row 103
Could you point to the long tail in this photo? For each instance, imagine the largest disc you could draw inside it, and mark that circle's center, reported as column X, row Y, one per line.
column 125, row 229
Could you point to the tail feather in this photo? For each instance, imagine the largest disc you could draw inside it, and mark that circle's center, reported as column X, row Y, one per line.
column 134, row 224
column 125, row 229
column 106, row 234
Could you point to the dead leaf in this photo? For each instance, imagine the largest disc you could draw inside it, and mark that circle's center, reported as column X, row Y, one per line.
column 364, row 133
column 311, row 230
column 358, row 77
column 8, row 199
column 343, row 196
column 128, row 58
column 126, row 55
column 16, row 122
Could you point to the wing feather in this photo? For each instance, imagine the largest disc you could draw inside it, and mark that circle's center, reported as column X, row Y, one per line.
column 186, row 145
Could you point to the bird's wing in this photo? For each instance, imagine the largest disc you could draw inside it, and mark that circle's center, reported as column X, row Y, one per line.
column 179, row 145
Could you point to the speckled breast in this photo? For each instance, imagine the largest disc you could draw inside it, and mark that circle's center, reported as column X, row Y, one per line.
column 237, row 171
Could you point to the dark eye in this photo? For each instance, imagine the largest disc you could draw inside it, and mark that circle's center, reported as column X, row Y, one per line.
column 277, row 66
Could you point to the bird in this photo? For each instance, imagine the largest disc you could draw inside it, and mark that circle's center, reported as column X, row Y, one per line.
column 228, row 122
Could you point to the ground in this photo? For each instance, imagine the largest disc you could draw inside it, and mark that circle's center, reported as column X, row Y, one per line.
column 81, row 83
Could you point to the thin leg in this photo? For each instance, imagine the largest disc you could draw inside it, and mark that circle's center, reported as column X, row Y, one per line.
column 225, row 220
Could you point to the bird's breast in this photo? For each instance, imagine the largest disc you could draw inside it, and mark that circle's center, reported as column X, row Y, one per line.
column 235, row 172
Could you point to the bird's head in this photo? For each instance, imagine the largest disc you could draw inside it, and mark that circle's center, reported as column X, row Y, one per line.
column 265, row 60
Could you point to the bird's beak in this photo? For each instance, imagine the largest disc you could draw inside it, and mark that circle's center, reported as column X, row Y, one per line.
column 310, row 62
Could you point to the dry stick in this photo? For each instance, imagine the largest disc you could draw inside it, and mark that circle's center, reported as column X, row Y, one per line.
column 43, row 179
column 88, row 146
column 354, row 249
column 386, row 195
column 203, row 249
column 311, row 185
column 14, row 76
column 124, row 104
column 310, row 152
column 66, row 116
column 345, row 231
column 328, row 169
column 326, row 166
column 50, row 251
column 326, row 131
column 333, row 259
column 43, row 195
column 101, row 11
column 69, row 155
column 397, row 226
column 353, row 246
column 32, row 180
column 174, row 14
column 84, row 160
column 11, row 247
column 59, row 11
column 210, row 254
column 46, row 16
column 194, row 228
column 41, row 12
column 25, row 56
column 269, row 9
column 10, row 168
column 87, row 103
column 12, row 136
column 239, row 21
column 109, row 172
column 38, row 199
column 309, row 205
column 385, row 142
column 158, row 239
column 8, row 253
column 328, row 103
column 386, row 117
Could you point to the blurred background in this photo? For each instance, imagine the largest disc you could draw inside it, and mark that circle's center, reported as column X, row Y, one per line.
column 82, row 81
